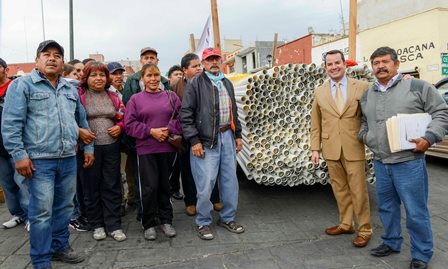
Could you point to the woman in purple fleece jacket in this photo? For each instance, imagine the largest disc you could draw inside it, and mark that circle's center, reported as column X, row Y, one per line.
column 148, row 119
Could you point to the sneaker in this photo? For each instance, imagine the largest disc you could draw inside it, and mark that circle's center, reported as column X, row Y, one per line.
column 150, row 234
column 118, row 235
column 168, row 230
column 178, row 196
column 12, row 222
column 99, row 233
column 232, row 226
column 67, row 255
column 217, row 206
column 27, row 226
column 79, row 225
column 205, row 233
column 190, row 210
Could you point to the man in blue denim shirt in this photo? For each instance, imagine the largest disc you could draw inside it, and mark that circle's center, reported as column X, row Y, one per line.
column 40, row 131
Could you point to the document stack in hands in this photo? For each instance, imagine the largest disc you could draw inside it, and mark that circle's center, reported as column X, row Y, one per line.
column 403, row 127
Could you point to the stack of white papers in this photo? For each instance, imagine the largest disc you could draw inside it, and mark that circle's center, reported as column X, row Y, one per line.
column 403, row 127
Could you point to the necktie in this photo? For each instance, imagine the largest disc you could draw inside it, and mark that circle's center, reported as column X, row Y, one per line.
column 338, row 97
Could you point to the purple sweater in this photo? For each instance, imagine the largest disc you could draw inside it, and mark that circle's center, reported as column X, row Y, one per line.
column 151, row 110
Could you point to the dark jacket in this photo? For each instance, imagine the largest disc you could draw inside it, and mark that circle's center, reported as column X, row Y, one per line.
column 132, row 86
column 200, row 111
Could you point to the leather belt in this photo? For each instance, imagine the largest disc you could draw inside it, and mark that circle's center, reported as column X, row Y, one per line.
column 224, row 128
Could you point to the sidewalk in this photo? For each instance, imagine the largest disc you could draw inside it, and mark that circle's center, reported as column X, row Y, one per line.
column 284, row 229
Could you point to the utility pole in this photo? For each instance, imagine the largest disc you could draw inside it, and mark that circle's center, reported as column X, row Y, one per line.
column 352, row 31
column 72, row 48
column 43, row 20
column 274, row 50
column 192, row 43
column 215, row 20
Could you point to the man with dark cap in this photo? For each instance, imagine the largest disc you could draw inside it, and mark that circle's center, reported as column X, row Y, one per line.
column 210, row 123
column 40, row 131
column 134, row 84
column 14, row 188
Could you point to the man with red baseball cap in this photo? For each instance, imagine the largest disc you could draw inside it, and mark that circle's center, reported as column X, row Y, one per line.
column 210, row 123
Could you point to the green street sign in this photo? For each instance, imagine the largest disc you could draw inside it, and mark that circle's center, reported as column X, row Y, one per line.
column 444, row 59
column 445, row 70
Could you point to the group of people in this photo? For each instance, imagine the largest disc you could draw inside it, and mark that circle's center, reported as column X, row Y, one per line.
column 348, row 114
column 65, row 128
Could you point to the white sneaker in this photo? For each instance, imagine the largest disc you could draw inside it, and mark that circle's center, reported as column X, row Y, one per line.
column 150, row 234
column 118, row 235
column 27, row 226
column 168, row 230
column 99, row 234
column 12, row 222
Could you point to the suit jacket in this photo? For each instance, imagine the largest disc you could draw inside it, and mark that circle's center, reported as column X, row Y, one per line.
column 336, row 130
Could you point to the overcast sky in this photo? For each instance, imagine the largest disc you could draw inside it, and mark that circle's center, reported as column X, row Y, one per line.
column 119, row 29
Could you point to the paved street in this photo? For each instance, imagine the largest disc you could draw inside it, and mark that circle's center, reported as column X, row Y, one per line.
column 284, row 229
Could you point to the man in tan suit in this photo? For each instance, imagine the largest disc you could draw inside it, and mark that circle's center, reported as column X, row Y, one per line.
column 335, row 123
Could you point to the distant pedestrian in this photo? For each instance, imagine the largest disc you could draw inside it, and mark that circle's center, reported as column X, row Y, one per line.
column 174, row 75
column 401, row 177
column 117, row 85
column 13, row 184
column 79, row 66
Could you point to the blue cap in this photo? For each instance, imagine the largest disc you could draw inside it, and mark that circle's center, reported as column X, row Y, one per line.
column 114, row 66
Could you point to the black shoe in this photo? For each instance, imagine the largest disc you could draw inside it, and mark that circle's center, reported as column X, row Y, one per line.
column 177, row 195
column 382, row 251
column 79, row 225
column 67, row 255
column 418, row 264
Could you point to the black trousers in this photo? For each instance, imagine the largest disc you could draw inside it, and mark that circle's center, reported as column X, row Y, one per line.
column 188, row 184
column 101, row 185
column 175, row 175
column 79, row 191
column 155, row 193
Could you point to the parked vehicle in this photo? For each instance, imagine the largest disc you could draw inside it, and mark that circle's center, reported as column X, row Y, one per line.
column 441, row 149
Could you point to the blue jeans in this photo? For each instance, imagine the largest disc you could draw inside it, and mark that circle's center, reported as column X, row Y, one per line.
column 14, row 188
column 52, row 188
column 219, row 160
column 405, row 182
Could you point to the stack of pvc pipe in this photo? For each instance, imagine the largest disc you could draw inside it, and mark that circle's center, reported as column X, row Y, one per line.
column 274, row 107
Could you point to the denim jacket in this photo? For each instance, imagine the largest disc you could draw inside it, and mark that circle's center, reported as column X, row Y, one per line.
column 39, row 121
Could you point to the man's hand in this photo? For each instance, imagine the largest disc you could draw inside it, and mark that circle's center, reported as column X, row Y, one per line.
column 315, row 157
column 421, row 144
column 25, row 168
column 86, row 136
column 88, row 160
column 239, row 144
column 160, row 134
column 114, row 131
column 198, row 150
